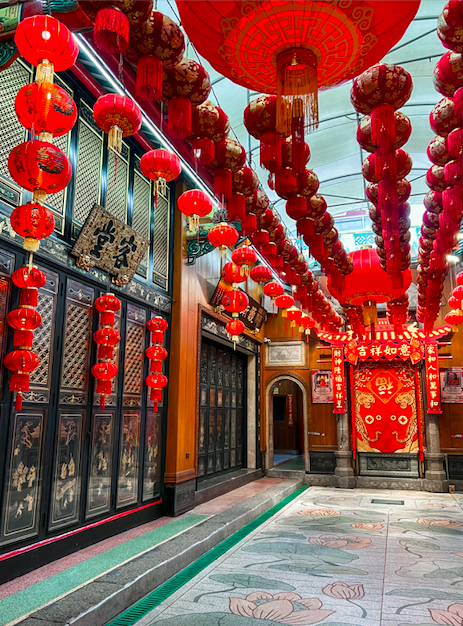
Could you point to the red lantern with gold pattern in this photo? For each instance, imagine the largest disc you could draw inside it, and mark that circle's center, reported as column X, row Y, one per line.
column 284, row 302
column 104, row 372
column 106, row 338
column 118, row 116
column 261, row 274
column 187, row 84
column 403, row 129
column 235, row 302
column 157, row 326
column 273, row 290
column 230, row 156
column 29, row 277
column 194, row 204
column 260, row 122
column 232, row 274
column 442, row 118
column 24, row 319
column 33, row 222
column 40, row 167
column 209, row 125
column 235, row 328
column 381, row 84
column 21, row 363
column 45, row 108
column 244, row 257
column 47, row 44
column 156, row 382
column 107, row 305
column 155, row 44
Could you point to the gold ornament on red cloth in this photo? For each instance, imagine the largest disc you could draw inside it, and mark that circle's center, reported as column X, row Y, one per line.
column 155, row 44
column 106, row 337
column 230, row 156
column 186, row 85
column 235, row 328
column 209, row 126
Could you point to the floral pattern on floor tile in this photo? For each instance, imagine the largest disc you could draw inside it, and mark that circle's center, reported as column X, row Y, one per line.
column 335, row 559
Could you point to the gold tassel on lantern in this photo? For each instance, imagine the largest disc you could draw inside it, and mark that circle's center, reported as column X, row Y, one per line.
column 115, row 139
column 45, row 71
column 193, row 223
column 370, row 313
column 39, row 195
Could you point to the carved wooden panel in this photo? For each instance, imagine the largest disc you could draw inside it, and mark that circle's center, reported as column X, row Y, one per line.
column 41, row 377
column 152, row 461
column 77, row 343
column 134, row 356
column 129, row 455
column 101, row 460
column 23, row 479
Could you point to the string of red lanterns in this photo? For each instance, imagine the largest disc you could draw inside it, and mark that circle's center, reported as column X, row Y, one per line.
column 106, row 337
column 156, row 353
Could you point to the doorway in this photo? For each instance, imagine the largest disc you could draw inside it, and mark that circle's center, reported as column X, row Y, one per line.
column 288, row 427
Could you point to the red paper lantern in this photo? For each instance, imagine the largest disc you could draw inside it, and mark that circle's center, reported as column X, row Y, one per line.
column 187, row 84
column 244, row 257
column 455, row 318
column 235, row 328
column 403, row 129
column 27, row 277
column 106, row 338
column 33, row 222
column 21, row 363
column 273, row 290
column 194, row 204
column 223, row 236
column 104, row 372
column 156, row 354
column 24, row 319
column 156, row 382
column 107, row 305
column 381, row 84
column 40, row 167
column 45, row 108
column 442, row 118
column 154, row 44
column 284, row 302
column 118, row 116
column 209, row 125
column 157, row 327
column 161, row 166
column 232, row 274
column 294, row 315
column 235, row 302
column 306, row 323
column 261, row 274
column 260, row 121
column 46, row 43
column 320, row 45
column 230, row 156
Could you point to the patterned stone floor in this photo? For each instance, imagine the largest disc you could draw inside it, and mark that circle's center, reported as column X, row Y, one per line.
column 335, row 558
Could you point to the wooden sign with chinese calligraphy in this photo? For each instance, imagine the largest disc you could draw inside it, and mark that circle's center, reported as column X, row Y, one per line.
column 432, row 378
column 108, row 243
column 252, row 317
column 339, row 383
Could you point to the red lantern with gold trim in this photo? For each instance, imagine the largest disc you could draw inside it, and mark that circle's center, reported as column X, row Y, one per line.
column 235, row 302
column 104, row 372
column 235, row 328
column 118, row 116
column 261, row 274
column 46, row 43
column 161, row 166
column 195, row 204
column 29, row 277
column 230, row 156
column 45, row 108
column 157, row 326
column 273, row 290
column 232, row 274
column 223, row 236
column 21, row 363
column 244, row 257
column 284, row 302
column 33, row 222
column 156, row 382
column 209, row 126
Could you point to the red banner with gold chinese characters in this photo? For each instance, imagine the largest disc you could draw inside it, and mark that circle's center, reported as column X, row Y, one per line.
column 339, row 382
column 290, row 409
column 385, row 407
column 432, row 378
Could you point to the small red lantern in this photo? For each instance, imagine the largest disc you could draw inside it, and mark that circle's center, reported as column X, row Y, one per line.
column 33, row 222
column 118, row 116
column 294, row 315
column 235, row 328
column 26, row 276
column 458, row 292
column 106, row 338
column 107, row 305
column 230, row 156
column 156, row 354
column 223, row 236
column 195, row 204
column 273, row 290
column 185, row 85
column 209, row 125
column 21, row 363
column 306, row 323
column 40, row 167
column 235, row 302
column 162, row 167
column 46, row 43
column 104, row 372
column 24, row 319
column 244, row 257
column 157, row 327
column 156, row 382
column 45, row 108
column 261, row 274
column 232, row 274
column 455, row 318
column 284, row 302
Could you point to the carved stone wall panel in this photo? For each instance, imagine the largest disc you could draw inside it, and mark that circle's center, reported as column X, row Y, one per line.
column 77, row 343
column 286, row 353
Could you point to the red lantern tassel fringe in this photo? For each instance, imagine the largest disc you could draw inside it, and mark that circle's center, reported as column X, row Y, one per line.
column 180, row 117
column 458, row 105
column 223, row 182
column 298, row 138
column 112, row 30
column 270, row 151
column 236, row 207
column 149, row 78
column 203, row 150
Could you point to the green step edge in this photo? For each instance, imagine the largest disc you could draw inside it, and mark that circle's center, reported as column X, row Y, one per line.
column 154, row 599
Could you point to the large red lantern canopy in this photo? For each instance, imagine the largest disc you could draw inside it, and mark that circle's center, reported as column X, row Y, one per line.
column 294, row 48
column 368, row 284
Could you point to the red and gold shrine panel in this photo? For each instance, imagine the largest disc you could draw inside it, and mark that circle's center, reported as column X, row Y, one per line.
column 385, row 407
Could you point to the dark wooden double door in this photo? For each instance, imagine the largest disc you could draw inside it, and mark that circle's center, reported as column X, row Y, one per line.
column 222, row 410
column 65, row 462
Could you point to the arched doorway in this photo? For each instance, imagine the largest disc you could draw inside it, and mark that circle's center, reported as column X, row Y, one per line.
column 287, row 424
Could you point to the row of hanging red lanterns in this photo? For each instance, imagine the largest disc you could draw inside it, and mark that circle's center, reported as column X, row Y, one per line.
column 38, row 166
column 156, row 353
column 378, row 93
column 444, row 202
column 106, row 337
